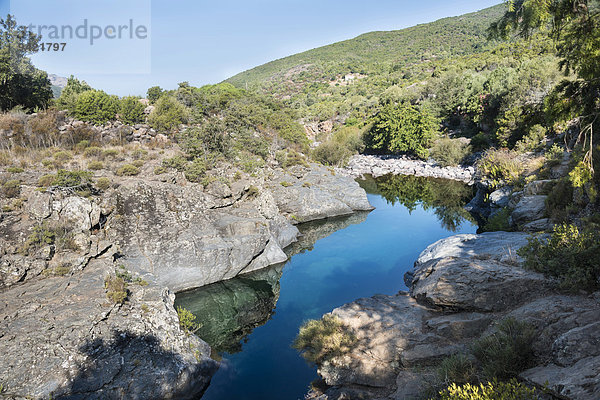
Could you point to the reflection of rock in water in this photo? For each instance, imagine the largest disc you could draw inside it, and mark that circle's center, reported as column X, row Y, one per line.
column 230, row 310
column 311, row 232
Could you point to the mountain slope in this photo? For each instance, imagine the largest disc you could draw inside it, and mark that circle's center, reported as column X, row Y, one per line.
column 377, row 51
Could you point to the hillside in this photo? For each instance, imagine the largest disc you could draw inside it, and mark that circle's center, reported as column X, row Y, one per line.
column 377, row 51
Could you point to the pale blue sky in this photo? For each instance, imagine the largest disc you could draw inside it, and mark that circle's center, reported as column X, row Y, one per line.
column 206, row 41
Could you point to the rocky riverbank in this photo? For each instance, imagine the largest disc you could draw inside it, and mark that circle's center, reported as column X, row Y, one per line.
column 460, row 288
column 360, row 165
column 65, row 335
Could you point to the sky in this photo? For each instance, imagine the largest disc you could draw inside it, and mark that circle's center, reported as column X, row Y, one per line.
column 164, row 42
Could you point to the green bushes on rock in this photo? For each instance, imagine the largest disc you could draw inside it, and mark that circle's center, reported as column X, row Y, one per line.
column 116, row 289
column 493, row 390
column 507, row 352
column 11, row 188
column 128, row 170
column 322, row 339
column 457, row 368
column 187, row 320
column 570, row 254
column 500, row 166
column 70, row 179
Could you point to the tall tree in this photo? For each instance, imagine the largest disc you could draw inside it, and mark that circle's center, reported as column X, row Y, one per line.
column 21, row 84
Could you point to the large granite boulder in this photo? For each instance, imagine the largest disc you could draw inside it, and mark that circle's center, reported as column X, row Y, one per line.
column 475, row 285
column 529, row 208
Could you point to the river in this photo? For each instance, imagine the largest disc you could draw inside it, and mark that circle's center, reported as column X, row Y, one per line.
column 251, row 321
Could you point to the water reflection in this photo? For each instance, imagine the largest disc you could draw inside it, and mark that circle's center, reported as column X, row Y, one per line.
column 446, row 198
column 230, row 310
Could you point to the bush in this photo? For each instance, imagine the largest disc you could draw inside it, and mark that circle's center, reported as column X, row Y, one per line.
column 128, row 170
column 534, row 140
column 103, row 183
column 290, row 158
column 211, row 137
column 44, row 129
column 92, row 151
column 448, row 151
column 167, row 115
column 69, row 179
column 571, row 255
column 500, row 167
column 331, row 153
column 187, row 320
column 457, row 368
column 498, row 221
column 95, row 165
column 323, row 339
column 14, row 170
column 507, row 352
column 11, row 188
column 559, row 200
column 46, row 180
column 131, row 110
column 554, row 155
column 177, row 162
column 116, row 289
column 194, row 172
column 494, row 390
column 96, row 107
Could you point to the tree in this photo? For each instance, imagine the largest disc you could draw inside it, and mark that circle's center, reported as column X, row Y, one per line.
column 402, row 129
column 574, row 26
column 154, row 93
column 167, row 115
column 21, row 84
column 131, row 110
column 70, row 94
column 96, row 107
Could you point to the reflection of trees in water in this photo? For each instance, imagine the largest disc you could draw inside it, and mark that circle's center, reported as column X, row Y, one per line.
column 446, row 197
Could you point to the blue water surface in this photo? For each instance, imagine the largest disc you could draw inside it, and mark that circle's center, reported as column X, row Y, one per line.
column 358, row 261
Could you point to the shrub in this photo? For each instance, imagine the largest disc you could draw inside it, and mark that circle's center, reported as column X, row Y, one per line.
column 494, row 390
column 533, row 140
column 41, row 236
column 187, row 320
column 554, row 155
column 131, row 111
column 559, row 200
column 11, row 188
column 167, row 115
column 96, row 107
column 286, row 184
column 211, row 137
column 14, row 170
column 110, row 153
column 116, row 289
column 92, row 151
column 103, row 183
column 177, row 162
column 448, row 151
column 571, row 255
column 457, row 368
column 78, row 136
column 159, row 170
column 249, row 162
column 498, row 221
column 508, row 351
column 331, row 153
column 62, row 156
column 194, row 172
column 138, row 163
column 46, row 180
column 154, row 93
column 128, row 170
column 69, row 179
column 500, row 166
column 290, row 158
column 323, row 339
column 95, row 165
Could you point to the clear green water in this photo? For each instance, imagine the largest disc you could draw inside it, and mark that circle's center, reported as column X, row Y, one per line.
column 251, row 321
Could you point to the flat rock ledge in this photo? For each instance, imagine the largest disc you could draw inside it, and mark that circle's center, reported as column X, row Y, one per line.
column 460, row 288
column 361, row 165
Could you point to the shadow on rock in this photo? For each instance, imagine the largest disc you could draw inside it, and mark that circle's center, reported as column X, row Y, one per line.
column 130, row 366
